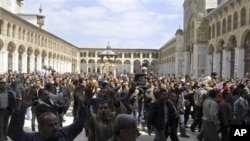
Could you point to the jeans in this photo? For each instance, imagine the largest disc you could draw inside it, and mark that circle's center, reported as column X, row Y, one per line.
column 28, row 113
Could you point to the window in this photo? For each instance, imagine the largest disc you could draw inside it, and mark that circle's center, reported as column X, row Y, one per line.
column 224, row 26
column 8, row 30
column 13, row 31
column 1, row 27
column 235, row 23
column 209, row 32
column 229, row 23
column 218, row 28
column 243, row 17
column 213, row 31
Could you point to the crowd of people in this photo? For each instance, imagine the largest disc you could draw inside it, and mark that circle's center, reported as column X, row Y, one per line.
column 112, row 108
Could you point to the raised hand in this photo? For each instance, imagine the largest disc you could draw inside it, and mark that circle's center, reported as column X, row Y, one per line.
column 84, row 96
column 26, row 100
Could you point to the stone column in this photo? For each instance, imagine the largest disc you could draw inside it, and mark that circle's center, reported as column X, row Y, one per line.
column 226, row 64
column 187, row 63
column 39, row 63
column 46, row 61
column 131, row 68
column 3, row 60
column 239, row 62
column 32, row 62
column 210, row 64
column 24, row 62
column 216, row 67
column 15, row 61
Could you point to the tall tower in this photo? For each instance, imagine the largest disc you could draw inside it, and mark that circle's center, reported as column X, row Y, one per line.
column 195, row 34
column 14, row 6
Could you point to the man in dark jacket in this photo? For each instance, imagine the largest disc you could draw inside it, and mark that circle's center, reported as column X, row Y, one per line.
column 173, row 116
column 225, row 115
column 46, row 104
column 7, row 106
column 158, row 116
column 48, row 124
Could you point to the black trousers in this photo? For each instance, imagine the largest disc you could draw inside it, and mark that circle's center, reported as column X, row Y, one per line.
column 4, row 121
column 198, row 117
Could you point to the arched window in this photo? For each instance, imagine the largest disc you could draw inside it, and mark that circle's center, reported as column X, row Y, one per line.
column 213, row 31
column 243, row 16
column 229, row 23
column 224, row 26
column 218, row 29
column 1, row 27
column 209, row 32
column 235, row 23
column 19, row 33
column 23, row 34
column 8, row 29
column 13, row 31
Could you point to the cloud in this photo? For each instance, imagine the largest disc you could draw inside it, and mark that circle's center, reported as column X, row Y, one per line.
column 125, row 23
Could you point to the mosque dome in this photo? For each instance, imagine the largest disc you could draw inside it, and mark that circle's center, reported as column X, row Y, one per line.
column 179, row 31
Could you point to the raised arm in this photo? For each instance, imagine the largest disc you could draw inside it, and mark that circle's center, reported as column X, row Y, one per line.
column 15, row 130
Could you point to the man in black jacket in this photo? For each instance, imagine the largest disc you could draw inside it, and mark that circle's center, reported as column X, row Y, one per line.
column 173, row 116
column 158, row 116
column 7, row 106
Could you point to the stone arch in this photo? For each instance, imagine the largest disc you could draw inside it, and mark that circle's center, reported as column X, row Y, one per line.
column 21, row 50
column 83, row 61
column 146, row 63
column 50, row 54
column 246, row 45
column 11, row 48
column 83, row 66
column 36, row 53
column 154, row 66
column 219, row 50
column 1, row 43
column 137, row 66
column 58, row 57
column 119, row 66
column 91, row 65
column 44, row 55
column 29, row 50
column 61, row 58
column 50, row 57
column 29, row 53
column 126, row 66
column 54, row 56
column 232, row 46
column 211, row 49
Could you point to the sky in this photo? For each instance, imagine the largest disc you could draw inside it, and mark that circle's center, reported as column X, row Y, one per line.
column 135, row 24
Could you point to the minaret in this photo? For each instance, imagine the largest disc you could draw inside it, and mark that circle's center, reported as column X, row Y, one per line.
column 40, row 17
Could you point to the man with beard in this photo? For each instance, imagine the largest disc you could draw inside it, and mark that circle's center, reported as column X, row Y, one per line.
column 48, row 124
column 101, row 124
column 45, row 104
